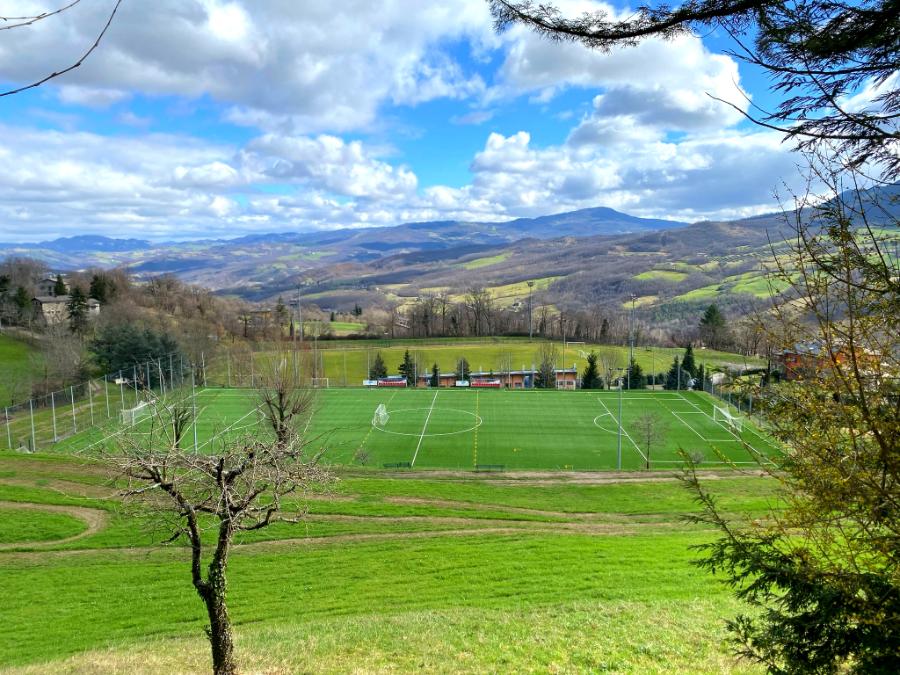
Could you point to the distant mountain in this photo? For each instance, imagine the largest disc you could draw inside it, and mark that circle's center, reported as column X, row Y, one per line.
column 257, row 258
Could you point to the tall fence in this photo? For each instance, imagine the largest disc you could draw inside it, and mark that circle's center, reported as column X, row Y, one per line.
column 44, row 420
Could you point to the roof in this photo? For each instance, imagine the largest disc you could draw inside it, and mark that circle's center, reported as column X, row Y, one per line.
column 58, row 299
column 502, row 373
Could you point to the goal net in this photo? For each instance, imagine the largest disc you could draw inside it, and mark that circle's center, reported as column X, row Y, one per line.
column 319, row 382
column 381, row 416
column 132, row 416
column 724, row 416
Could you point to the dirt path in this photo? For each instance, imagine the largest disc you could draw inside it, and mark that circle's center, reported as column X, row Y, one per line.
column 95, row 519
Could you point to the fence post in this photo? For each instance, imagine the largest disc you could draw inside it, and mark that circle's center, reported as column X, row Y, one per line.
column 91, row 401
column 171, row 374
column 203, row 368
column 121, row 390
column 53, row 412
column 106, row 394
column 228, row 365
column 252, row 385
column 162, row 380
column 72, row 398
column 8, row 429
column 31, row 411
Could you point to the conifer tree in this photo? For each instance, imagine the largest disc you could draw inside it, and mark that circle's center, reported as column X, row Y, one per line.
column 688, row 365
column 59, row 288
column 590, row 378
column 435, row 376
column 78, row 310
column 408, row 369
column 463, row 370
column 378, row 369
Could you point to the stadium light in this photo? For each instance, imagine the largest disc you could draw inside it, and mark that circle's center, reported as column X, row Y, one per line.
column 619, row 443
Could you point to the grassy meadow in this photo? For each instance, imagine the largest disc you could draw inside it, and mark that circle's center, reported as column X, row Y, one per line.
column 439, row 572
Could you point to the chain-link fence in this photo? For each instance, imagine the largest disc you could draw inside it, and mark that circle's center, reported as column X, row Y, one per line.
column 44, row 420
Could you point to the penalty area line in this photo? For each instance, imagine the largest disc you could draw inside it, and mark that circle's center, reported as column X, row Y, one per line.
column 424, row 427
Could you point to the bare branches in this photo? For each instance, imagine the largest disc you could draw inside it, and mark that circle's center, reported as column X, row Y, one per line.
column 27, row 21
column 824, row 56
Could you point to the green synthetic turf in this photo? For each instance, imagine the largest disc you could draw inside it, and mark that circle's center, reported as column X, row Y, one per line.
column 465, row 429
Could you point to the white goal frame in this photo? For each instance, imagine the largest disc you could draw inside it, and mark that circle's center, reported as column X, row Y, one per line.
column 132, row 416
column 381, row 416
column 318, row 382
column 724, row 415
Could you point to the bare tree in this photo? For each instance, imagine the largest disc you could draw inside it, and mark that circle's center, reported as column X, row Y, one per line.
column 13, row 22
column 284, row 403
column 650, row 431
column 241, row 486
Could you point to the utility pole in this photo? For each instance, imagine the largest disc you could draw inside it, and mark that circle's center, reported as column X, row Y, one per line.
column 530, row 322
column 619, row 444
column 631, row 342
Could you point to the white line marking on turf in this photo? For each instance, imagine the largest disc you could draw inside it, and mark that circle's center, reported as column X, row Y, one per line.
column 624, row 431
column 424, row 427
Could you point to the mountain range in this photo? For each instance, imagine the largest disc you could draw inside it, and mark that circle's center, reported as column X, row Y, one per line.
column 574, row 259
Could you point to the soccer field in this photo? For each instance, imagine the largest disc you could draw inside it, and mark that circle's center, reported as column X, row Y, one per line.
column 465, row 429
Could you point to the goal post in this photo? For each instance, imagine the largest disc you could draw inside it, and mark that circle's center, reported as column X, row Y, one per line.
column 381, row 416
column 132, row 416
column 318, row 382
column 723, row 415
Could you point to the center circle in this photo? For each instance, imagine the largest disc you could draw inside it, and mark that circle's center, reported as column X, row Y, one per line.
column 403, row 417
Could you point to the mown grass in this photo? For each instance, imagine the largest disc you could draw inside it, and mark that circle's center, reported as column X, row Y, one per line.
column 478, row 263
column 17, row 525
column 439, row 573
column 17, row 360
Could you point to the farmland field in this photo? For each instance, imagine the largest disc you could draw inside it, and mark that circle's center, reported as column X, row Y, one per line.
column 469, row 429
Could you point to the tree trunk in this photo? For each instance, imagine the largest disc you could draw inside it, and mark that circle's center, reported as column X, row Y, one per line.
column 219, row 631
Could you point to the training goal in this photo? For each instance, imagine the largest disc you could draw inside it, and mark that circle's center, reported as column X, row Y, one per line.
column 132, row 416
column 381, row 416
column 319, row 382
column 724, row 416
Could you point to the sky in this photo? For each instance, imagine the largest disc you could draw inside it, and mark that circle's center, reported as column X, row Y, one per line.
column 218, row 118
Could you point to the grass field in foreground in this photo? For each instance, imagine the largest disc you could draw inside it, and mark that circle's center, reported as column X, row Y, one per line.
column 391, row 573
column 464, row 429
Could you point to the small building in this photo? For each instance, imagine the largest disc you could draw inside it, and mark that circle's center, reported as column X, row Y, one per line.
column 805, row 360
column 566, row 378
column 53, row 309
column 46, row 287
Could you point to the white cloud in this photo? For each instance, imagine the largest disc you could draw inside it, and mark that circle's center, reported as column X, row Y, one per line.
column 288, row 66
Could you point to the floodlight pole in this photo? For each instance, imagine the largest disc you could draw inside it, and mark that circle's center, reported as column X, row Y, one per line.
column 194, row 401
column 631, row 340
column 530, row 322
column 619, row 445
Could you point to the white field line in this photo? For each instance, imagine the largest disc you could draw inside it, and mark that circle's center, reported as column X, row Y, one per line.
column 622, row 426
column 230, row 427
column 735, row 437
column 424, row 427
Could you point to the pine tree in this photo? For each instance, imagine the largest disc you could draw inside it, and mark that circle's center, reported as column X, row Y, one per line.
column 545, row 377
column 688, row 365
column 378, row 369
column 672, row 377
column 435, row 376
column 635, row 378
column 280, row 312
column 713, row 328
column 332, row 317
column 408, row 369
column 463, row 370
column 101, row 289
column 590, row 378
column 59, row 288
column 78, row 310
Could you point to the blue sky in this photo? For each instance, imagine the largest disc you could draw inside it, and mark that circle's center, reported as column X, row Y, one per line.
column 209, row 118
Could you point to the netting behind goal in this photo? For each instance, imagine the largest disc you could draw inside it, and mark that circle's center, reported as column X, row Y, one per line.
column 132, row 416
column 381, row 416
column 724, row 416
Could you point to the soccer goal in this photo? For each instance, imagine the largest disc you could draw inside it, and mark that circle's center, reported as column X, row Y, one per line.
column 723, row 415
column 132, row 416
column 381, row 416
column 318, row 382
